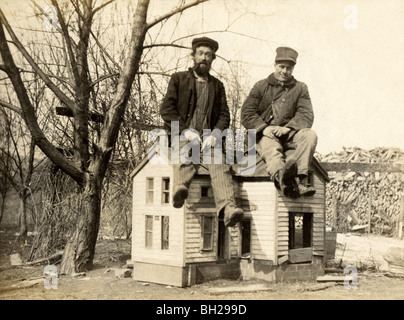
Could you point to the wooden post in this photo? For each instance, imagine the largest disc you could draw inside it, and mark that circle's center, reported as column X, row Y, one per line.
column 401, row 218
column 369, row 211
column 334, row 213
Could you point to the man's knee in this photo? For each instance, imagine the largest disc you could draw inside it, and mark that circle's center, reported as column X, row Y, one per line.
column 308, row 135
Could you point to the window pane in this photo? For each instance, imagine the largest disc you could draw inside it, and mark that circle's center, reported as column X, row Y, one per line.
column 165, row 222
column 207, row 230
column 150, row 184
column 165, row 190
column 166, row 197
column 149, row 197
column 166, row 184
column 207, row 241
column 208, row 224
column 149, row 231
column 149, row 240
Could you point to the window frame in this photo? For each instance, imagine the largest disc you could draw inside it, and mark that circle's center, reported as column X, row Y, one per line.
column 149, row 231
column 307, row 230
column 204, row 233
column 163, row 218
column 149, row 200
column 165, row 191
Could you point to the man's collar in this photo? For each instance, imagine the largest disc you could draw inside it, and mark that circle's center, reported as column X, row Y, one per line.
column 275, row 82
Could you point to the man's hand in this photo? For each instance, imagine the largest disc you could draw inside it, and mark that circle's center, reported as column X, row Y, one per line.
column 276, row 131
column 192, row 135
column 208, row 142
column 280, row 131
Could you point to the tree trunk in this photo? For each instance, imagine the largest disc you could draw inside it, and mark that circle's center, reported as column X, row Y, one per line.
column 79, row 252
column 3, row 205
column 22, row 215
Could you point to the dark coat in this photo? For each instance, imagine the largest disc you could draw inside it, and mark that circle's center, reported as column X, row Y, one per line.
column 291, row 107
column 180, row 102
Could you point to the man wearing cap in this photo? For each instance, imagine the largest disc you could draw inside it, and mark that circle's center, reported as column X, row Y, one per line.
column 280, row 110
column 197, row 100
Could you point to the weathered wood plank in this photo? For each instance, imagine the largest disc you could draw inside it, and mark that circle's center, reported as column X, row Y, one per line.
column 361, row 167
column 300, row 255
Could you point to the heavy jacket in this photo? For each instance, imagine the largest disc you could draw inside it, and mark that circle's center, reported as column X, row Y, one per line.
column 291, row 106
column 180, row 102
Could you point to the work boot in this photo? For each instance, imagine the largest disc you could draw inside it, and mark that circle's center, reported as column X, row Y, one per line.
column 304, row 190
column 285, row 179
column 232, row 215
column 180, row 194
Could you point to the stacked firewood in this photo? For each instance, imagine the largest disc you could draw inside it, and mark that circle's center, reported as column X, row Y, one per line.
column 354, row 199
column 355, row 154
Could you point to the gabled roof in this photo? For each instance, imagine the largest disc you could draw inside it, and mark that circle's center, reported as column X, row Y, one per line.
column 238, row 169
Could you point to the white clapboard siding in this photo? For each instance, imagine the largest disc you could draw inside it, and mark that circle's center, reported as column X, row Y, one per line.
column 315, row 205
column 259, row 202
column 195, row 208
column 205, row 206
column 174, row 255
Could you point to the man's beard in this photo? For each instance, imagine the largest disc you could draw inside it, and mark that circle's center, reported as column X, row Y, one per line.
column 201, row 69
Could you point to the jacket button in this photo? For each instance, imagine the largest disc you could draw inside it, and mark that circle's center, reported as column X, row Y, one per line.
column 283, row 99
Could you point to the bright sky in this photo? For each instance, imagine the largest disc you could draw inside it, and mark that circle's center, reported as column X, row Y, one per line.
column 354, row 75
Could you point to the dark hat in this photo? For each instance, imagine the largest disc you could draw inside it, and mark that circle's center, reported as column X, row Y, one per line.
column 205, row 41
column 286, row 54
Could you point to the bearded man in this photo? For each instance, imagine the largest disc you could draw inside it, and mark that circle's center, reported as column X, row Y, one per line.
column 197, row 100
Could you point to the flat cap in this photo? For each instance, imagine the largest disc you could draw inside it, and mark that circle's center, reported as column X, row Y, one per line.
column 205, row 41
column 286, row 54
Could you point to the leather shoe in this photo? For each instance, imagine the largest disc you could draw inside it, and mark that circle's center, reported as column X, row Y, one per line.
column 180, row 194
column 285, row 179
column 306, row 191
column 232, row 215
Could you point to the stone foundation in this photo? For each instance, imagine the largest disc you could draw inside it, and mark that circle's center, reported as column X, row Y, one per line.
column 266, row 270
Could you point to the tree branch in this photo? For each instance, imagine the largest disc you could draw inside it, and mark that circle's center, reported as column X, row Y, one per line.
column 11, row 107
column 69, row 103
column 66, row 36
column 174, row 12
column 165, row 45
column 29, row 115
column 102, row 6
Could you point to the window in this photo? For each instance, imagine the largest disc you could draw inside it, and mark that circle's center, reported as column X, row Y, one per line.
column 165, row 227
column 206, row 192
column 246, row 236
column 165, row 190
column 149, row 190
column 207, row 233
column 149, row 232
column 300, row 230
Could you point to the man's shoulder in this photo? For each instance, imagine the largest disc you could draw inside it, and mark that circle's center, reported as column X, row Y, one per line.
column 300, row 83
column 216, row 80
column 181, row 74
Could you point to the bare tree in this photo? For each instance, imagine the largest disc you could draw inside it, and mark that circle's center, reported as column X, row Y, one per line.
column 17, row 163
column 74, row 92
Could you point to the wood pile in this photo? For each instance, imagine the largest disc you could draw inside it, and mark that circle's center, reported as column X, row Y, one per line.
column 360, row 197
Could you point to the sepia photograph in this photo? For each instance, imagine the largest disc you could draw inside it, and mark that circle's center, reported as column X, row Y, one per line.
column 201, row 157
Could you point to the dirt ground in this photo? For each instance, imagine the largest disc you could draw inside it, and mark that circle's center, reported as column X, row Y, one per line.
column 102, row 283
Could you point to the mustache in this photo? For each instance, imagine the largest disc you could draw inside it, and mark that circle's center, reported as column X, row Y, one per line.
column 198, row 64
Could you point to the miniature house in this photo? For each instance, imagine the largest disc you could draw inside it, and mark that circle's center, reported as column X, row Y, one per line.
column 279, row 239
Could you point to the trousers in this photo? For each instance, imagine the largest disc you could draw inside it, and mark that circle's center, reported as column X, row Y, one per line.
column 299, row 147
column 220, row 175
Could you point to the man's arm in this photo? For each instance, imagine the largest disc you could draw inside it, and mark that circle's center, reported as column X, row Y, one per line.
column 304, row 115
column 169, row 108
column 223, row 120
column 250, row 118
